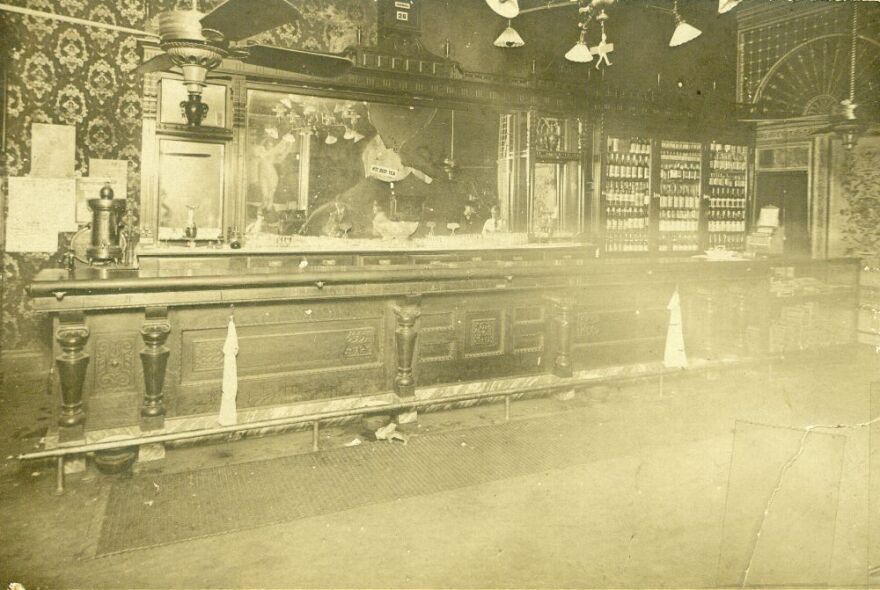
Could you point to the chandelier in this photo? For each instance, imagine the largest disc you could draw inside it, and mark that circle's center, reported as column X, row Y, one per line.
column 582, row 51
column 299, row 115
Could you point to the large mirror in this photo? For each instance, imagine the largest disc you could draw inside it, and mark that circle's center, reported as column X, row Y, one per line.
column 336, row 168
column 191, row 181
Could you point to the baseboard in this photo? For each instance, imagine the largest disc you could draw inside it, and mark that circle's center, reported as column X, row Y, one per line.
column 24, row 365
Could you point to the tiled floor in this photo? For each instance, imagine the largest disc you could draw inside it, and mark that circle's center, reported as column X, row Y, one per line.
column 672, row 491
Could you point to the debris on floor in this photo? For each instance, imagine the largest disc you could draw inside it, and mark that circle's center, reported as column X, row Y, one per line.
column 355, row 442
column 389, row 433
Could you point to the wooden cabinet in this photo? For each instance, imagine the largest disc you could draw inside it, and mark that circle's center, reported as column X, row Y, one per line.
column 672, row 196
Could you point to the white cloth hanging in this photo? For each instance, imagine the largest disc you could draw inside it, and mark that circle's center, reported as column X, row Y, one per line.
column 675, row 355
column 228, row 412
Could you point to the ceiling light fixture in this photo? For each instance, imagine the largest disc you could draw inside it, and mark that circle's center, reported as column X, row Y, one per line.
column 580, row 53
column 509, row 38
column 727, row 5
column 604, row 47
column 849, row 127
column 683, row 31
column 505, row 8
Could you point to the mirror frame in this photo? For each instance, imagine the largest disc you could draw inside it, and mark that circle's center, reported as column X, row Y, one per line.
column 380, row 74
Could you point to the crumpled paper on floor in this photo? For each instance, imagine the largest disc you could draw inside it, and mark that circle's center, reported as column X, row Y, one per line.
column 389, row 433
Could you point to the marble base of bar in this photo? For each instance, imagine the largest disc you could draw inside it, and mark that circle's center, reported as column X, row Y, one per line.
column 151, row 452
column 564, row 396
column 407, row 417
column 75, row 464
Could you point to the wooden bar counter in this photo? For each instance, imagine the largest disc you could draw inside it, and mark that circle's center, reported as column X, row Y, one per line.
column 141, row 350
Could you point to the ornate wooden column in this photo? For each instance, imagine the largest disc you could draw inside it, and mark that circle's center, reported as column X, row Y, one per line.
column 72, row 335
column 405, row 341
column 154, row 358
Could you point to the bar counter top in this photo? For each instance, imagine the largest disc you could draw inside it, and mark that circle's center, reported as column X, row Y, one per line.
column 104, row 279
column 51, row 286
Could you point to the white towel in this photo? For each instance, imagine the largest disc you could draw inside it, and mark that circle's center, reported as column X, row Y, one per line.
column 675, row 355
column 228, row 413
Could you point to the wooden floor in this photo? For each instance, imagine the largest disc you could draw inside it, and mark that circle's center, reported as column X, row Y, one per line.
column 670, row 489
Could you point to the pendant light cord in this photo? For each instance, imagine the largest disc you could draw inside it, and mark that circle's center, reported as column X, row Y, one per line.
column 852, row 54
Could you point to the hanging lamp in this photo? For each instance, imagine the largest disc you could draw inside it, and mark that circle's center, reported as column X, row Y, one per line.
column 727, row 5
column 683, row 31
column 505, row 8
column 849, row 127
column 509, row 38
column 580, row 53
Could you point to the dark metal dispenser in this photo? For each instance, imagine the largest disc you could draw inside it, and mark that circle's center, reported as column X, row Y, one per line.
column 107, row 214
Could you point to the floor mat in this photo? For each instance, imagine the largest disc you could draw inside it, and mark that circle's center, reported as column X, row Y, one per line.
column 151, row 511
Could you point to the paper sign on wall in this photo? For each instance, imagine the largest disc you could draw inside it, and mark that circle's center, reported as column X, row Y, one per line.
column 115, row 170
column 39, row 209
column 53, row 150
column 88, row 188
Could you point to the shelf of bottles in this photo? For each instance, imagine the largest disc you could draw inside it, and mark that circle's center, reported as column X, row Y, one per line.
column 627, row 192
column 679, row 196
column 726, row 214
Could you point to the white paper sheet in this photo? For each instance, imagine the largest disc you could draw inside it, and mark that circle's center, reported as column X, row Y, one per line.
column 39, row 208
column 53, row 150
column 115, row 170
column 88, row 188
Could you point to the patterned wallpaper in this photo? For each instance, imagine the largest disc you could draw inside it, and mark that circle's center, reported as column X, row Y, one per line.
column 860, row 177
column 71, row 74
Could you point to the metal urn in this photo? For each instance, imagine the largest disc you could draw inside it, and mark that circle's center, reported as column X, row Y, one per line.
column 107, row 214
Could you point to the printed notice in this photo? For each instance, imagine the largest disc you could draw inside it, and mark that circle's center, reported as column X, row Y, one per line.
column 53, row 150
column 115, row 170
column 39, row 209
column 88, row 188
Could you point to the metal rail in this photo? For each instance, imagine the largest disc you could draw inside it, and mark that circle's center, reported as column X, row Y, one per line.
column 315, row 419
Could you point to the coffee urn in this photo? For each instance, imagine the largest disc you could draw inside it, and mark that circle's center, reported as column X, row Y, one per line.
column 107, row 215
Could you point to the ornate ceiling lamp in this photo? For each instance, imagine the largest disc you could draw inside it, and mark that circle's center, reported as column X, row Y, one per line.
column 581, row 53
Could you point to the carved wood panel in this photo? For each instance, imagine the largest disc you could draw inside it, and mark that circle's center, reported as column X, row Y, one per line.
column 115, row 363
column 484, row 333
column 287, row 347
column 436, row 341
column 529, row 327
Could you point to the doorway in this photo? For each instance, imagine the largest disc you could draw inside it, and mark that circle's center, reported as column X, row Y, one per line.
column 790, row 192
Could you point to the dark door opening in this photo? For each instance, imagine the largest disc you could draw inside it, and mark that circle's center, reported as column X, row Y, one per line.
column 789, row 192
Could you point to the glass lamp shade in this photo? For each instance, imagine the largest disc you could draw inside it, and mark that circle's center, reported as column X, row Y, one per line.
column 509, row 38
column 683, row 33
column 580, row 53
column 505, row 8
column 727, row 5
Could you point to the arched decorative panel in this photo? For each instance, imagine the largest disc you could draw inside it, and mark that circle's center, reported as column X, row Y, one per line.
column 813, row 78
